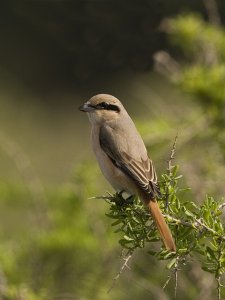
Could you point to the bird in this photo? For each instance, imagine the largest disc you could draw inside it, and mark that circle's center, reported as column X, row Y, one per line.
column 123, row 158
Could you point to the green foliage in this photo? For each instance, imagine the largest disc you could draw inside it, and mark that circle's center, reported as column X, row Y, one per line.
column 197, row 37
column 205, row 82
column 202, row 72
column 198, row 229
column 199, row 69
column 63, row 258
column 132, row 221
column 73, row 253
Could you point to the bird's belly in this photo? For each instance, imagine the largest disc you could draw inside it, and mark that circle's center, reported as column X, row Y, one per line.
column 115, row 176
column 112, row 173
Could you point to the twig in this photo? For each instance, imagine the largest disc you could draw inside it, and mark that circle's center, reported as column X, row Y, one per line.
column 222, row 205
column 167, row 282
column 179, row 222
column 214, row 232
column 171, row 158
column 196, row 224
column 219, row 285
column 124, row 265
column 169, row 169
column 175, row 273
column 109, row 197
column 218, row 271
column 176, row 281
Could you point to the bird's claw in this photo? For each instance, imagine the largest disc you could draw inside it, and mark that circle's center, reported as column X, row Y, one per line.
column 120, row 200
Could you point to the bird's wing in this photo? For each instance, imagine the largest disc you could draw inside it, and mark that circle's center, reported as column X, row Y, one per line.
column 124, row 156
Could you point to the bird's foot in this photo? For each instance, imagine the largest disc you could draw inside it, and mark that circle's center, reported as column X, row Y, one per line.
column 130, row 199
column 120, row 200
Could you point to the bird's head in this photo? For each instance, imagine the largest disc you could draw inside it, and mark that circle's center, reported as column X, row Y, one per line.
column 102, row 108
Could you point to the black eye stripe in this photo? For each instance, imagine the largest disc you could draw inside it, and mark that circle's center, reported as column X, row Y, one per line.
column 102, row 105
column 108, row 106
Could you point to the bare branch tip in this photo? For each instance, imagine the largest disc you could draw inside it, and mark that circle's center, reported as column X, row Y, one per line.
column 124, row 265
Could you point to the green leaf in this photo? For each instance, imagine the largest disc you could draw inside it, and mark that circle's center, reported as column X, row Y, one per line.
column 121, row 217
column 182, row 251
column 116, row 222
column 127, row 238
column 154, row 239
column 187, row 212
column 171, row 263
column 178, row 177
column 208, row 269
column 175, row 170
column 210, row 253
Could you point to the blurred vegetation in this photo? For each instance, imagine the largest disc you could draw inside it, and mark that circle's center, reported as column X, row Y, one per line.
column 71, row 43
column 55, row 241
column 203, row 46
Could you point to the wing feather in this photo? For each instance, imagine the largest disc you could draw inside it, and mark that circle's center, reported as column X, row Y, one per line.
column 139, row 169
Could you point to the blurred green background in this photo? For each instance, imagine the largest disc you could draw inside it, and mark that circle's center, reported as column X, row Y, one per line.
column 56, row 242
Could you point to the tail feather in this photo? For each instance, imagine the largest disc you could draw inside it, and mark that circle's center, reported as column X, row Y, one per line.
column 163, row 228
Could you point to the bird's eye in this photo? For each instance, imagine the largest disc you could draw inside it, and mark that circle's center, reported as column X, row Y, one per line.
column 108, row 106
column 103, row 105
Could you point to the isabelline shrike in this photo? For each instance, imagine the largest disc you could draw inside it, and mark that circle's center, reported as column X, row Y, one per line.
column 122, row 156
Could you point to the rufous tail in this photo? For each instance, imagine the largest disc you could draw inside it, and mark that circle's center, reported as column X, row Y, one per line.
column 163, row 228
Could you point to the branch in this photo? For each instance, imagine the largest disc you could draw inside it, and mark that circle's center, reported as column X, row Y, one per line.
column 169, row 169
column 219, row 285
column 194, row 225
column 222, row 205
column 171, row 158
column 174, row 273
column 124, row 265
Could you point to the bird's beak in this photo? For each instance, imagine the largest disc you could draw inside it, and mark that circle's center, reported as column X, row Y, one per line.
column 86, row 107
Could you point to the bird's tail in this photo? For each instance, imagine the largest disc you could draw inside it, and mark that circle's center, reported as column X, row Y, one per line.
column 163, row 228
